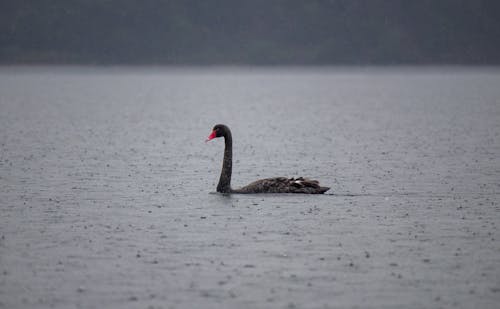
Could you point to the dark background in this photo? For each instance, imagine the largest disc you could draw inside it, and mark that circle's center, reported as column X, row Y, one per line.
column 250, row 32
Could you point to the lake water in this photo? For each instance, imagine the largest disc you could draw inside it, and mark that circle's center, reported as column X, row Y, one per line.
column 106, row 188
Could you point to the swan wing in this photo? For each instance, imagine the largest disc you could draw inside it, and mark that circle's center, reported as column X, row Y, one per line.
column 283, row 185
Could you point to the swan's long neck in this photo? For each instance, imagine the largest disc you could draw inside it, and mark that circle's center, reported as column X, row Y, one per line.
column 224, row 185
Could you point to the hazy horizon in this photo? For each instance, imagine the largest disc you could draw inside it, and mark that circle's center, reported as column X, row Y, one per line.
column 240, row 33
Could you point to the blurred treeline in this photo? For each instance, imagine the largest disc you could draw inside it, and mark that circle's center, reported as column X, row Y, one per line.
column 250, row 32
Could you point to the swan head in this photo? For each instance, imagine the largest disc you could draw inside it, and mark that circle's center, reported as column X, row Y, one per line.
column 219, row 130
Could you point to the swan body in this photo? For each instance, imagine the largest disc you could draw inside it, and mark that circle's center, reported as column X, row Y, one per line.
column 268, row 185
column 283, row 185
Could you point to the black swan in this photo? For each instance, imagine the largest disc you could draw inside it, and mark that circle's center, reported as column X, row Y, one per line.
column 268, row 185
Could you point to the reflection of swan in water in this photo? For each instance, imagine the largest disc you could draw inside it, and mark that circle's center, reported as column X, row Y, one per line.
column 268, row 185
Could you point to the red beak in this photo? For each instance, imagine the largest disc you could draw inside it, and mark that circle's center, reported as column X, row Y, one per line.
column 211, row 136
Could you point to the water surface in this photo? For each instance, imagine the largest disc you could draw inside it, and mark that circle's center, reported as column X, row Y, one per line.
column 105, row 188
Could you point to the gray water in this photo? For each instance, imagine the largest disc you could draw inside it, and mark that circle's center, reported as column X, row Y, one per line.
column 106, row 188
